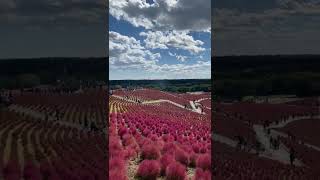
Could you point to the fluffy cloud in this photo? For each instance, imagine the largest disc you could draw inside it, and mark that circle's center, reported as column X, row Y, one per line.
column 191, row 15
column 127, row 52
column 183, row 68
column 179, row 57
column 200, row 69
column 175, row 39
column 52, row 12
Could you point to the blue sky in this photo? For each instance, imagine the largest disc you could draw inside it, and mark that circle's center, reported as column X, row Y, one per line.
column 149, row 41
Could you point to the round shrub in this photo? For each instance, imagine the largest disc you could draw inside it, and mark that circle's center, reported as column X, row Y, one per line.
column 11, row 169
column 114, row 174
column 31, row 172
column 204, row 162
column 203, row 149
column 176, row 171
column 114, row 144
column 165, row 160
column 193, row 158
column 130, row 153
column 169, row 148
column 149, row 170
column 150, row 152
column 182, row 157
column 202, row 175
column 127, row 140
column 196, row 148
column 122, row 131
column 117, row 164
column 160, row 144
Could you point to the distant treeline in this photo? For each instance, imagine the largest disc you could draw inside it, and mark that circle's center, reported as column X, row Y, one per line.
column 177, row 85
column 238, row 76
column 17, row 73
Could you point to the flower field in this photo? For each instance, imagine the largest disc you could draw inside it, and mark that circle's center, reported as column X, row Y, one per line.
column 157, row 140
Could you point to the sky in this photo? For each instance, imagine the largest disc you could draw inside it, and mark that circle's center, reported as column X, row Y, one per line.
column 251, row 27
column 153, row 39
column 52, row 28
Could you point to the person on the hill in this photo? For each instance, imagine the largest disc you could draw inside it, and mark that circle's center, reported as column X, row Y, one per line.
column 278, row 142
column 240, row 142
column 258, row 147
column 292, row 156
column 271, row 142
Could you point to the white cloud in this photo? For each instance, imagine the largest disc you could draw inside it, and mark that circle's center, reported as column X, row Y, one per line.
column 179, row 57
column 192, row 15
column 200, row 69
column 175, row 39
column 127, row 52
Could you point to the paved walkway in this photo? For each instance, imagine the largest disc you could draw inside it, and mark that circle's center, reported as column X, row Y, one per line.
column 224, row 140
column 282, row 154
column 193, row 105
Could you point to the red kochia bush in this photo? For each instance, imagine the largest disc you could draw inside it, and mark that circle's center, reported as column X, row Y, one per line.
column 193, row 158
column 127, row 140
column 130, row 153
column 169, row 148
column 114, row 174
column 203, row 149
column 165, row 161
column 31, row 172
column 202, row 175
column 176, row 171
column 149, row 170
column 204, row 162
column 150, row 151
column 196, row 148
column 11, row 170
column 182, row 157
column 117, row 164
column 122, row 131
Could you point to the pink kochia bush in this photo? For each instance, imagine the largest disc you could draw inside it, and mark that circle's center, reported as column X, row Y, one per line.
column 193, row 158
column 11, row 171
column 113, row 174
column 149, row 170
column 169, row 148
column 202, row 175
column 204, row 162
column 165, row 161
column 182, row 157
column 117, row 164
column 150, row 151
column 31, row 172
column 176, row 171
column 117, row 169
